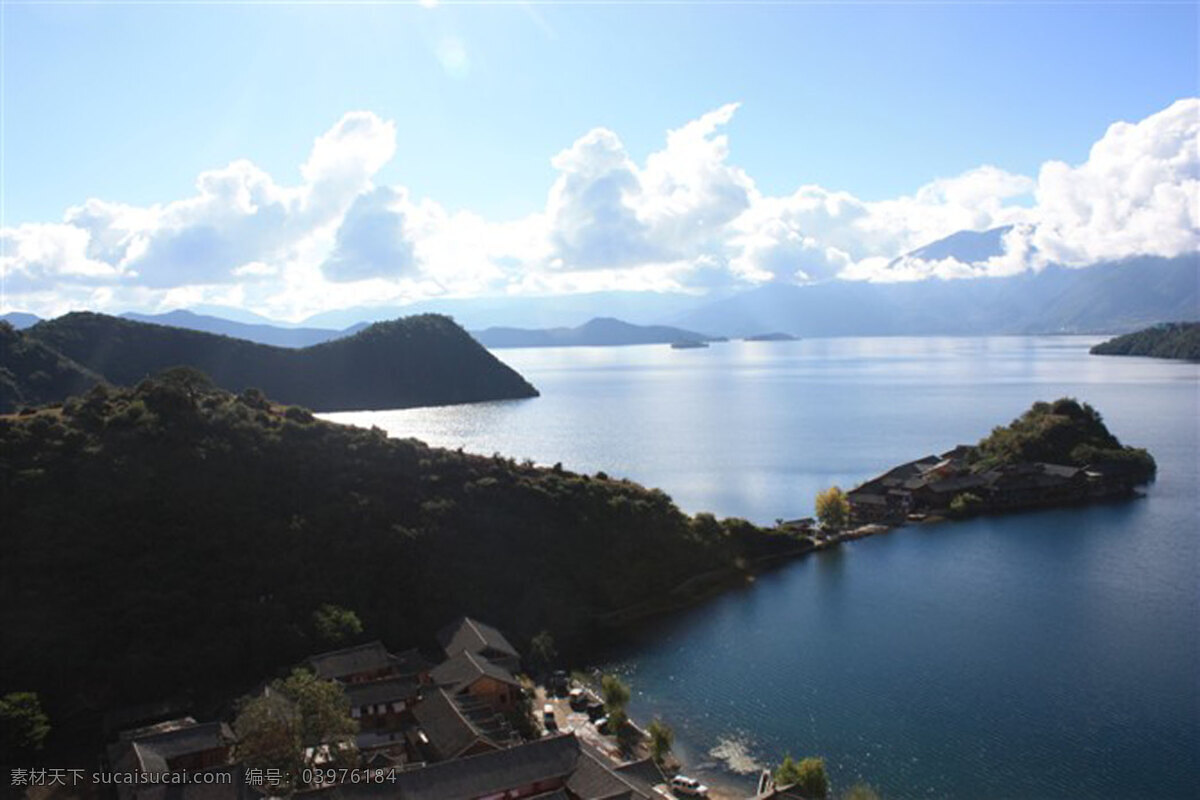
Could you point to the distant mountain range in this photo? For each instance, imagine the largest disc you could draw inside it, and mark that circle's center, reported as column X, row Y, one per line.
column 478, row 313
column 19, row 319
column 416, row 361
column 263, row 333
column 1112, row 297
column 598, row 332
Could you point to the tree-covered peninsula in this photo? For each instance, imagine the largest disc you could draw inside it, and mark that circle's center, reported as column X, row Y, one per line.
column 1168, row 340
column 1056, row 453
column 421, row 360
column 175, row 536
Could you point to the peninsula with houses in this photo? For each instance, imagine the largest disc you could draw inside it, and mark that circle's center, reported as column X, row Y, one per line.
column 1055, row 454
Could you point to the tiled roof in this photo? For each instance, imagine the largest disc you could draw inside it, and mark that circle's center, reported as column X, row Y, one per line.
column 491, row 773
column 452, row 726
column 645, row 771
column 596, row 778
column 367, row 657
column 389, row 690
column 473, row 636
column 462, row 670
column 154, row 752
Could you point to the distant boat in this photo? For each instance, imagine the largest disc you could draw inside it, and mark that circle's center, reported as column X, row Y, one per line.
column 688, row 345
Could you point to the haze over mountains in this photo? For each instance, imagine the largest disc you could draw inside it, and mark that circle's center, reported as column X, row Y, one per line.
column 598, row 332
column 1112, row 297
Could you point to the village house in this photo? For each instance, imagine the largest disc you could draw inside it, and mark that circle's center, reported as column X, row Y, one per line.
column 457, row 726
column 931, row 484
column 475, row 675
column 553, row 768
column 175, row 746
column 363, row 662
column 380, row 705
column 471, row 636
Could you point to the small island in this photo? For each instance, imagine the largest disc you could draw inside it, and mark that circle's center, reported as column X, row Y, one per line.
column 688, row 344
column 1179, row 340
column 1054, row 454
column 777, row 336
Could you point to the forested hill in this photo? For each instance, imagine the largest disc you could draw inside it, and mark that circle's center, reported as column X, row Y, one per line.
column 174, row 537
column 414, row 361
column 1169, row 340
column 32, row 373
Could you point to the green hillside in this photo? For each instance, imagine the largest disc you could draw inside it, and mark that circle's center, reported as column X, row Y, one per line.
column 1168, row 340
column 32, row 373
column 1062, row 432
column 415, row 361
column 203, row 530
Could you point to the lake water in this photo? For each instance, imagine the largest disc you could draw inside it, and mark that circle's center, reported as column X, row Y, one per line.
column 1042, row 655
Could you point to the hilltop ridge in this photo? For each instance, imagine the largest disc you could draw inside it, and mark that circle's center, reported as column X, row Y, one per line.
column 414, row 361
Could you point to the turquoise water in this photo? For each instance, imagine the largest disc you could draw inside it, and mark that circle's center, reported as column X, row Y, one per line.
column 1043, row 655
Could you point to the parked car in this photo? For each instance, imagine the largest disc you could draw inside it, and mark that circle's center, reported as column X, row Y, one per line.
column 684, row 786
column 558, row 683
column 548, row 720
column 578, row 700
column 602, row 725
column 595, row 710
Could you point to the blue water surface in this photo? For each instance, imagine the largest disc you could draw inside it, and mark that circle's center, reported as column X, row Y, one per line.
column 1042, row 655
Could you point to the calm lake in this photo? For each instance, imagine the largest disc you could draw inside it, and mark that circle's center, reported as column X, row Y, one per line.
column 1043, row 655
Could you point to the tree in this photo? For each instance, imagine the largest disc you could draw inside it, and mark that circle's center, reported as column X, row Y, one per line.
column 965, row 504
column 833, row 508
column 334, row 624
column 661, row 739
column 542, row 650
column 23, row 725
column 298, row 722
column 807, row 777
column 615, row 694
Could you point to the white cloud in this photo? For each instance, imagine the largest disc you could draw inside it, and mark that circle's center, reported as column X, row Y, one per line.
column 684, row 219
column 1137, row 194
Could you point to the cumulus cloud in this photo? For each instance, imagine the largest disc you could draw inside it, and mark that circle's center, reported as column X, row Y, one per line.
column 685, row 218
column 371, row 241
column 1138, row 193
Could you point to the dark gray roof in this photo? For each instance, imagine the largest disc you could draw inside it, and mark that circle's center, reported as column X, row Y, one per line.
column 645, row 771
column 588, row 775
column 462, row 670
column 959, row 483
column 233, row 788
column 895, row 477
column 1061, row 470
column 596, row 778
column 491, row 773
column 473, row 636
column 452, row 727
column 153, row 752
column 557, row 794
column 350, row 660
column 411, row 662
column 389, row 690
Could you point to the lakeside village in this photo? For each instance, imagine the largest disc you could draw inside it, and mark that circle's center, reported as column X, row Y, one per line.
column 953, row 485
column 365, row 722
column 467, row 724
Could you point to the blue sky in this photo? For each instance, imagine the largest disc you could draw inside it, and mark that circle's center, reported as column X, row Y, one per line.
column 129, row 104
